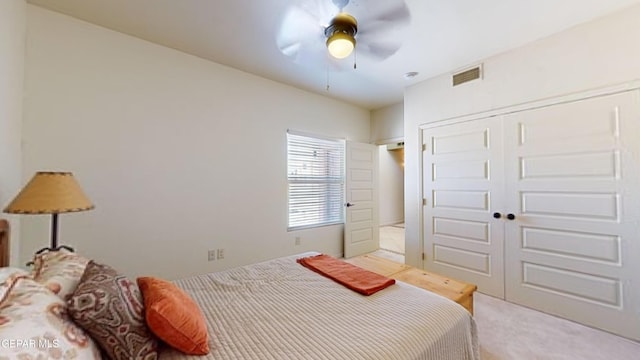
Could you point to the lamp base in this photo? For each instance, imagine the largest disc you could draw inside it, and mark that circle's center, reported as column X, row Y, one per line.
column 51, row 249
column 55, row 249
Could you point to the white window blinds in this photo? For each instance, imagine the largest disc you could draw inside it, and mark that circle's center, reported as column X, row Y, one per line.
column 316, row 180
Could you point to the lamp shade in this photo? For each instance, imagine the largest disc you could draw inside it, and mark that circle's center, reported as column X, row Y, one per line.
column 50, row 193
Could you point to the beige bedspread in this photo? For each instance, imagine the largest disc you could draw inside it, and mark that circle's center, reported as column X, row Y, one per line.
column 281, row 310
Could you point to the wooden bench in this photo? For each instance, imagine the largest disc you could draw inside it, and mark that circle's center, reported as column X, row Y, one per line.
column 458, row 291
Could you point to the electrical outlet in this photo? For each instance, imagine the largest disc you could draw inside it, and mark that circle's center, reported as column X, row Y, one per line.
column 297, row 240
column 220, row 254
column 211, row 255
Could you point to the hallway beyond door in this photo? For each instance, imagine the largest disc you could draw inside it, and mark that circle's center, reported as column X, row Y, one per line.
column 392, row 238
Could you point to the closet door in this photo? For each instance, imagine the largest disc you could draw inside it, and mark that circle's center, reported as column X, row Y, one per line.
column 463, row 186
column 572, row 184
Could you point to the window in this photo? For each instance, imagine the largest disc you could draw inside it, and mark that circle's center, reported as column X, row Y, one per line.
column 315, row 171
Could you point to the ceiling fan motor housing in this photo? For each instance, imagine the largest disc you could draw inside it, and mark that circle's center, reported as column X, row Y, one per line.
column 340, row 35
column 342, row 23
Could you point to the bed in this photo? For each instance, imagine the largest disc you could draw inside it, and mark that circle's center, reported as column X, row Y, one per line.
column 276, row 309
column 281, row 310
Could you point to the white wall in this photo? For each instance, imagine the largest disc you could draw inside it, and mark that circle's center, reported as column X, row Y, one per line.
column 387, row 124
column 179, row 155
column 391, row 182
column 597, row 54
column 12, row 42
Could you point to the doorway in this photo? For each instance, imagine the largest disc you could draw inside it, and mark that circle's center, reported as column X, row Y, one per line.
column 391, row 203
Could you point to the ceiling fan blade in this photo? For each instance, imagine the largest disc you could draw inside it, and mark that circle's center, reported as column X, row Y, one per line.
column 298, row 29
column 301, row 35
column 380, row 43
column 377, row 51
column 371, row 13
column 382, row 29
column 398, row 21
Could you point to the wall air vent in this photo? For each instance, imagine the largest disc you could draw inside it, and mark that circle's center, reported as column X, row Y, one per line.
column 467, row 75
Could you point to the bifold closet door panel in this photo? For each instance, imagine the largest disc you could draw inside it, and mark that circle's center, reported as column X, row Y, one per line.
column 463, row 185
column 572, row 184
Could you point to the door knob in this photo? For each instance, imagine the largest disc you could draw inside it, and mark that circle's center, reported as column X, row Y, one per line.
column 350, row 204
column 511, row 216
column 497, row 215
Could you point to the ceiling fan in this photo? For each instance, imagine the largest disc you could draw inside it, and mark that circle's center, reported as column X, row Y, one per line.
column 319, row 31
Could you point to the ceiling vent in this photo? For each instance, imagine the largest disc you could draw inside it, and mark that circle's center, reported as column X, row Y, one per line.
column 395, row 146
column 467, row 75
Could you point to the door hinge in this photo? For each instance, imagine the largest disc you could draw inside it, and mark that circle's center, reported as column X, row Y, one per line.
column 424, row 201
column 423, row 256
column 424, row 147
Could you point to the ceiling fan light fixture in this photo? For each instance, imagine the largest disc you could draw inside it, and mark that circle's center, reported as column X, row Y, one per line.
column 340, row 45
column 341, row 35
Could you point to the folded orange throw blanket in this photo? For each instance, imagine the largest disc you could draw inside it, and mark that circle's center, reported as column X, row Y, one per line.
column 355, row 278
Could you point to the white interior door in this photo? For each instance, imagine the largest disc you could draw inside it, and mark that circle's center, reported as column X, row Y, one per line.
column 463, row 186
column 573, row 248
column 361, row 233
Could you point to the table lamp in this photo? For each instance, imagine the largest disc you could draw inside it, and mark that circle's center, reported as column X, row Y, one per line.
column 50, row 193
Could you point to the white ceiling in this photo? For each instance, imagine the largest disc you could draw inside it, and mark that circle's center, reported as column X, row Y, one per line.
column 444, row 35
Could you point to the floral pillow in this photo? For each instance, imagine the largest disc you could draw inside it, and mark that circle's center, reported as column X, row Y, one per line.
column 60, row 271
column 8, row 276
column 109, row 307
column 34, row 325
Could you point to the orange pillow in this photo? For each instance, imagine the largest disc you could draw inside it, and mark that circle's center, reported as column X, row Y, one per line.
column 173, row 316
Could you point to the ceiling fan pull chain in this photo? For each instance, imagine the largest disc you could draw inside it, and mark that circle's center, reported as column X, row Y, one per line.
column 327, row 71
column 355, row 53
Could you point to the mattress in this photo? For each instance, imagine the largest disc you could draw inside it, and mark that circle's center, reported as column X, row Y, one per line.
column 281, row 310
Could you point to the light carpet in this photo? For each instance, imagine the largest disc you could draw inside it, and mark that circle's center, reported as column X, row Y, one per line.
column 511, row 332
column 392, row 239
